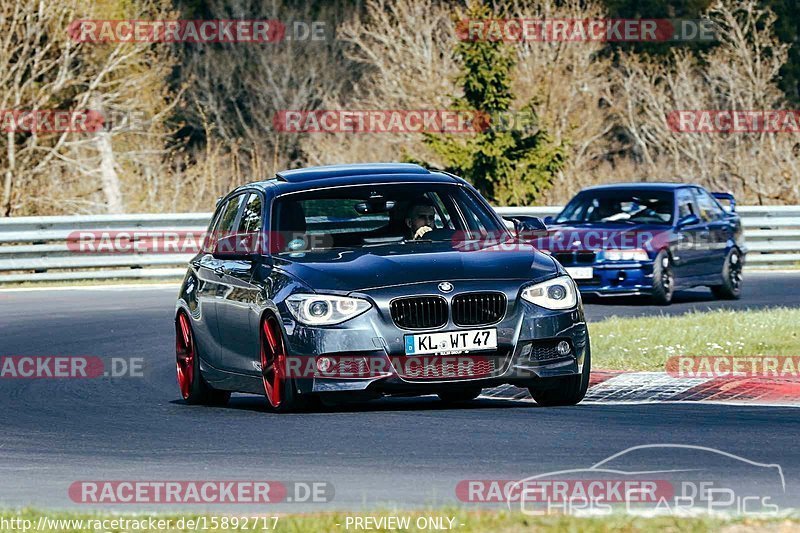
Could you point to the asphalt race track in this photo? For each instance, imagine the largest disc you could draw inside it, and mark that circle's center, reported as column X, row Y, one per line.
column 389, row 453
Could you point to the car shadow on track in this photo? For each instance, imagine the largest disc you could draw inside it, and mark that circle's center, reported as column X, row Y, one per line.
column 420, row 403
column 680, row 297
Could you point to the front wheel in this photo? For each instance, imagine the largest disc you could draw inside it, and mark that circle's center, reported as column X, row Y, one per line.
column 731, row 288
column 663, row 279
column 279, row 387
column 194, row 388
column 568, row 390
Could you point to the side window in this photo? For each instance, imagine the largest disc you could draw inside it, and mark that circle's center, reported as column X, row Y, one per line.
column 250, row 221
column 686, row 205
column 709, row 209
column 211, row 236
column 438, row 221
column 224, row 224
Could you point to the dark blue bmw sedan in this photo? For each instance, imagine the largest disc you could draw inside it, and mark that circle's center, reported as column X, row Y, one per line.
column 649, row 238
column 361, row 281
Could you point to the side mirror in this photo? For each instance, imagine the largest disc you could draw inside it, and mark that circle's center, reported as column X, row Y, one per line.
column 548, row 220
column 688, row 220
column 242, row 247
column 525, row 225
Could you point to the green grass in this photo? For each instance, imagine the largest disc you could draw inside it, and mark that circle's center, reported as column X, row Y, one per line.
column 473, row 522
column 646, row 343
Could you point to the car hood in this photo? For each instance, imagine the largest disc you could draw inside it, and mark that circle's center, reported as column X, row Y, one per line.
column 355, row 269
column 603, row 236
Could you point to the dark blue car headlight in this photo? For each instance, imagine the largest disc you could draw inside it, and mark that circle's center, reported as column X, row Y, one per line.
column 325, row 309
column 557, row 293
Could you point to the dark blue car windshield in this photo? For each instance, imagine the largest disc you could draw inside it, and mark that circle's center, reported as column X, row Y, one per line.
column 619, row 206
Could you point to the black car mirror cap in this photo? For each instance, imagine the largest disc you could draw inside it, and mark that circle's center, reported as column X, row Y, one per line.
column 526, row 226
column 548, row 220
column 527, row 223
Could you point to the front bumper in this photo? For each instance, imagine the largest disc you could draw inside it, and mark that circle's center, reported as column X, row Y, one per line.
column 618, row 279
column 526, row 338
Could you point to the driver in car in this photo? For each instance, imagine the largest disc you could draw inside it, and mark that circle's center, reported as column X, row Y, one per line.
column 419, row 219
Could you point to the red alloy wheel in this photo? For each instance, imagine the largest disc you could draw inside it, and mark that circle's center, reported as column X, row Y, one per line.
column 273, row 362
column 185, row 354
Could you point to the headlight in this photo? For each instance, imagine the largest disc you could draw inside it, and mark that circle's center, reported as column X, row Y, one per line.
column 558, row 293
column 626, row 255
column 323, row 309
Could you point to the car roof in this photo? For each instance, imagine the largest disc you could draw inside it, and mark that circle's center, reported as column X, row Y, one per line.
column 651, row 186
column 300, row 179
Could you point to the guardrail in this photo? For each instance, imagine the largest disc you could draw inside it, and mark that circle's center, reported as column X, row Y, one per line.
column 37, row 249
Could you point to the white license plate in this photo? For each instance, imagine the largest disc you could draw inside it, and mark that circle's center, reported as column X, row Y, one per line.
column 451, row 342
column 580, row 272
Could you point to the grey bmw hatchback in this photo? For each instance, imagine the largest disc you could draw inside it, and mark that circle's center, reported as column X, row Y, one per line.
column 360, row 281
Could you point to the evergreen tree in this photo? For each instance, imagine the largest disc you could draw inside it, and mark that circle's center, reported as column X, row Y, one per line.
column 507, row 163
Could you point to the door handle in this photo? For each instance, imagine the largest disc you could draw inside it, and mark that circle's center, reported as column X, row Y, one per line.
column 220, row 271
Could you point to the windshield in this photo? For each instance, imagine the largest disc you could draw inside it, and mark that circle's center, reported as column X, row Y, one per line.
column 615, row 206
column 375, row 215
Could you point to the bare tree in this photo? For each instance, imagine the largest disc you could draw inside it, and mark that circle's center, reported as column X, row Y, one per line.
column 44, row 68
column 740, row 73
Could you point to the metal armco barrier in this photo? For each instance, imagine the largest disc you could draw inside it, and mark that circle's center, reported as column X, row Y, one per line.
column 36, row 248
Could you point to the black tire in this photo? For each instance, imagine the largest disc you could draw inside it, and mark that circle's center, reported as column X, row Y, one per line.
column 459, row 395
column 731, row 288
column 663, row 279
column 569, row 390
column 194, row 388
column 285, row 398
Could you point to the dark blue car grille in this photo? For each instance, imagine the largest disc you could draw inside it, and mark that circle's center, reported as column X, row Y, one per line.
column 419, row 312
column 575, row 258
column 478, row 308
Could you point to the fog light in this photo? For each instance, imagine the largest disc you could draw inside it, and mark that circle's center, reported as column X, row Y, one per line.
column 563, row 348
column 324, row 364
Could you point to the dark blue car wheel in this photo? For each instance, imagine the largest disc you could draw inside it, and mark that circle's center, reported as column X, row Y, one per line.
column 731, row 287
column 663, row 279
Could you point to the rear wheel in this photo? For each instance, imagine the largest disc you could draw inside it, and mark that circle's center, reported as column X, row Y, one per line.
column 731, row 288
column 279, row 388
column 459, row 395
column 663, row 279
column 568, row 390
column 194, row 388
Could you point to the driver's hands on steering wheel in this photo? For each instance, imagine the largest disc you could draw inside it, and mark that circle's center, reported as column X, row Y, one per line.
column 422, row 231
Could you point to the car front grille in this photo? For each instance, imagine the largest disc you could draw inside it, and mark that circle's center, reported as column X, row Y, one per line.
column 449, row 368
column 575, row 258
column 478, row 308
column 419, row 312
